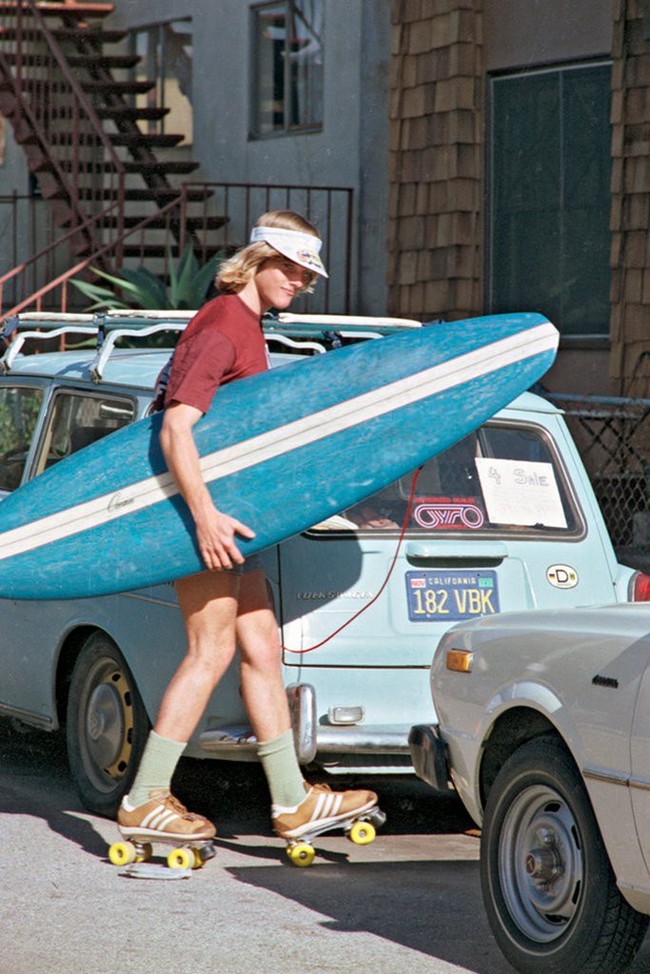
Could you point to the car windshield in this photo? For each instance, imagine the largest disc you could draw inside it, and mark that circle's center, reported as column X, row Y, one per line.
column 19, row 407
column 499, row 479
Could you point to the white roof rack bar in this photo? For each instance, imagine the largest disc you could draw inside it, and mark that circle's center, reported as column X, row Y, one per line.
column 288, row 318
column 168, row 315
column 55, row 317
column 104, row 353
column 21, row 338
column 342, row 333
column 292, row 343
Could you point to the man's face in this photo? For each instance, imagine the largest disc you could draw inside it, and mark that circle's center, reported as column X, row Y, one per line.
column 278, row 280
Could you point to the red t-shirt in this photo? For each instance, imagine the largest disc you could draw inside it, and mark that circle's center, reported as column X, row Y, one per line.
column 223, row 342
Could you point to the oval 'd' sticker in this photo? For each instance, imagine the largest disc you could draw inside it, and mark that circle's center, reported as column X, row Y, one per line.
column 562, row 576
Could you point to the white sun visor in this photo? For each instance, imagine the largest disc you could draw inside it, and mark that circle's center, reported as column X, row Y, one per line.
column 301, row 248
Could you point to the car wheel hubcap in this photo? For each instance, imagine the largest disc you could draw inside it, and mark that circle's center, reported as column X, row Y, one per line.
column 541, row 863
column 109, row 722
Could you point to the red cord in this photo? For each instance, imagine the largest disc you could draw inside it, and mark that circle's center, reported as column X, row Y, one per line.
column 365, row 608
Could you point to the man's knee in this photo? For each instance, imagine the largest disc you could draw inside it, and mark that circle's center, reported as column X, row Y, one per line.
column 209, row 655
column 261, row 649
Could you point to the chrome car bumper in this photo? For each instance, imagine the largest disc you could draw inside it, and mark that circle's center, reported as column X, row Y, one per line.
column 312, row 738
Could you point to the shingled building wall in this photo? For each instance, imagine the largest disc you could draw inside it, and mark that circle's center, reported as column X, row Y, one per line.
column 435, row 159
column 630, row 219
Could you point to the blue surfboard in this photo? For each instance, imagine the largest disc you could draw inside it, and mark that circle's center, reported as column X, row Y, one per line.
column 280, row 451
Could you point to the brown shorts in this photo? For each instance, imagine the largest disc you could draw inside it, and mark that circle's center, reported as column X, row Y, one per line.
column 252, row 564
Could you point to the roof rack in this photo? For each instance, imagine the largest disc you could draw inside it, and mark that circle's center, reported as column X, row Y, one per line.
column 46, row 321
column 334, row 329
column 281, row 339
column 288, row 317
column 108, row 327
column 14, row 348
column 105, row 349
column 57, row 317
column 117, row 316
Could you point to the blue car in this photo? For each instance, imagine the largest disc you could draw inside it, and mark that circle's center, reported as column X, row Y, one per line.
column 505, row 520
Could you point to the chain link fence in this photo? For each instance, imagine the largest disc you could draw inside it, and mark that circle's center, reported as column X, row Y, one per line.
column 613, row 438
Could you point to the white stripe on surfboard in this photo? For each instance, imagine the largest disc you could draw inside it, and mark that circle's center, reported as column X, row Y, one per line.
column 284, row 439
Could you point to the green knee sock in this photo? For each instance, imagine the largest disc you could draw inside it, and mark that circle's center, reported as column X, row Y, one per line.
column 282, row 770
column 156, row 768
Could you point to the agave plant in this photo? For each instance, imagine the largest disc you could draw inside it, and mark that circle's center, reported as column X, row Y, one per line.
column 187, row 288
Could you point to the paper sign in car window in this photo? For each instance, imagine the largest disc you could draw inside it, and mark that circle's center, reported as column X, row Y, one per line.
column 520, row 492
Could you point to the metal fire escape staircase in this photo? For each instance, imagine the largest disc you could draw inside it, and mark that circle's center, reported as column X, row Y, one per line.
column 75, row 112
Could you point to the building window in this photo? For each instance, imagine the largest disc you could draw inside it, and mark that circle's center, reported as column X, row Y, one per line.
column 287, row 67
column 165, row 52
column 550, row 196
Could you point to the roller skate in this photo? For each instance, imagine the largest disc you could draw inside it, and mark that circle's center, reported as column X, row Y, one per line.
column 162, row 820
column 323, row 810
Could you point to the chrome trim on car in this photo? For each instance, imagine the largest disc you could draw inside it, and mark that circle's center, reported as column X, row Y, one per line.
column 27, row 717
column 225, row 741
column 616, row 778
column 311, row 738
column 643, row 784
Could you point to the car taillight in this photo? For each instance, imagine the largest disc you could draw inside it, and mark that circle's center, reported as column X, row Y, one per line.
column 640, row 587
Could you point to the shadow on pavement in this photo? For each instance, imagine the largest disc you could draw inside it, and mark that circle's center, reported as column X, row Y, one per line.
column 36, row 781
column 432, row 907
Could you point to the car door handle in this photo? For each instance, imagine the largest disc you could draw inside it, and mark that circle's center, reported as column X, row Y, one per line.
column 445, row 552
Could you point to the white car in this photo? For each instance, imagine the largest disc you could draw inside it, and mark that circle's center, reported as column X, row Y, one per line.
column 544, row 731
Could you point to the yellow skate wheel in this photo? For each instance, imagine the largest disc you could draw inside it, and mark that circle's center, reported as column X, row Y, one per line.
column 122, row 853
column 182, row 859
column 362, row 833
column 301, row 854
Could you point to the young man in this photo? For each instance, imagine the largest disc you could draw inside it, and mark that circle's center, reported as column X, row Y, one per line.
column 227, row 606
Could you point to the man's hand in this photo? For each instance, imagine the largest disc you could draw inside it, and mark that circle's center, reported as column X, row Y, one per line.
column 215, row 534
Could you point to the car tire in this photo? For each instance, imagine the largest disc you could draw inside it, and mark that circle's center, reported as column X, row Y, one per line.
column 106, row 725
column 547, row 884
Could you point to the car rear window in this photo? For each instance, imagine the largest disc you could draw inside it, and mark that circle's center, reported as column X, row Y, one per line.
column 19, row 408
column 78, row 419
column 500, row 479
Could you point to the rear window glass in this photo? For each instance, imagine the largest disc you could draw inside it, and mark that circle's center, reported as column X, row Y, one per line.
column 19, row 408
column 77, row 420
column 500, row 479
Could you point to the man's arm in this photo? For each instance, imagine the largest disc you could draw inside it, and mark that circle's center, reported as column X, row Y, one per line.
column 215, row 531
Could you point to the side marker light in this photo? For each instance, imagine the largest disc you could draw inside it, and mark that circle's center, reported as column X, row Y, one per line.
column 459, row 660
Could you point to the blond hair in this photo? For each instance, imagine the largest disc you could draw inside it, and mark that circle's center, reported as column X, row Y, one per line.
column 237, row 271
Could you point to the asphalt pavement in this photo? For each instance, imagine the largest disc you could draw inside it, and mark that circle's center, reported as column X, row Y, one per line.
column 409, row 902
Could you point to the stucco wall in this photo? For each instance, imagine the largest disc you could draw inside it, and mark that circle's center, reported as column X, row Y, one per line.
column 351, row 150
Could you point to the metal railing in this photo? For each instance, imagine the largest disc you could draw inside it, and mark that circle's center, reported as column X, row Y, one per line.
column 39, row 261
column 329, row 208
column 35, row 284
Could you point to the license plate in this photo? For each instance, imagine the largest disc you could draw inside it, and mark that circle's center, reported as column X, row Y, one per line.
column 449, row 596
